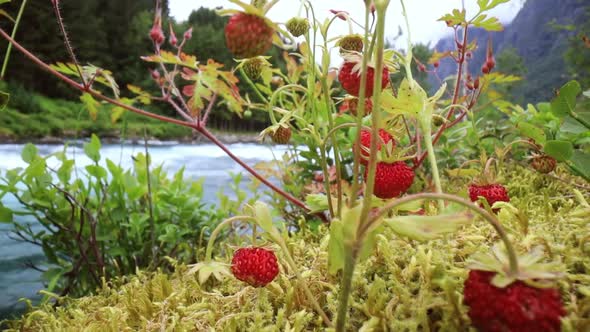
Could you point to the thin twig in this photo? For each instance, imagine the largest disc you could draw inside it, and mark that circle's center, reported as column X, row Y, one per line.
column 67, row 42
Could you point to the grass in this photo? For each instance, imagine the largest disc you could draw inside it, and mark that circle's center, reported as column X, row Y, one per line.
column 404, row 286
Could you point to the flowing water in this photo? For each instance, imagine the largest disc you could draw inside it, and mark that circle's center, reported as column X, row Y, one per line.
column 206, row 161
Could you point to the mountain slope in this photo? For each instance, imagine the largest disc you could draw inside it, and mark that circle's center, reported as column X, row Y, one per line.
column 536, row 38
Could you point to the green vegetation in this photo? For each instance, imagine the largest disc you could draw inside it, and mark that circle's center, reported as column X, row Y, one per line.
column 30, row 116
column 105, row 221
column 407, row 285
column 355, row 251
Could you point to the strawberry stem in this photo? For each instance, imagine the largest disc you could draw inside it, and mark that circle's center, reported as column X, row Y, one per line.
column 217, row 230
column 489, row 217
column 13, row 34
column 351, row 252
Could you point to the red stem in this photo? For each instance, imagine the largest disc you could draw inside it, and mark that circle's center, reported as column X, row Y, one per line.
column 280, row 191
column 196, row 127
column 455, row 97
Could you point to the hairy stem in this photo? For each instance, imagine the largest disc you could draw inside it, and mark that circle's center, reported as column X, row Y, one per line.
column 351, row 252
column 13, row 34
column 347, row 274
column 217, row 230
column 67, row 42
column 445, row 126
column 359, row 118
column 433, row 164
column 488, row 217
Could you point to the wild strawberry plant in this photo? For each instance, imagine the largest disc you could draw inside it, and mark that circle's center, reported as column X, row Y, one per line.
column 367, row 158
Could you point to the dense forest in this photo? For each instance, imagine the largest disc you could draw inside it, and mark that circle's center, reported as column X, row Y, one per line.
column 110, row 34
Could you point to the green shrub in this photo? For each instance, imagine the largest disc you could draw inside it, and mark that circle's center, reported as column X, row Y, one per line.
column 104, row 221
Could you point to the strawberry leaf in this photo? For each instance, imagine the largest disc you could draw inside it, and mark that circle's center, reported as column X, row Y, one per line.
column 487, row 4
column 457, row 17
column 209, row 80
column 490, row 24
column 409, row 100
column 166, row 57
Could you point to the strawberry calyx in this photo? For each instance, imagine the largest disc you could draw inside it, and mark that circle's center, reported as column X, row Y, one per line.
column 531, row 270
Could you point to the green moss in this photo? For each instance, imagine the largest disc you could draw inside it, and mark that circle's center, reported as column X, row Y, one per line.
column 404, row 286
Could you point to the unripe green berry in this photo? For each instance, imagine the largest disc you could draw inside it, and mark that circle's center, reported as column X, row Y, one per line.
column 350, row 43
column 437, row 120
column 253, row 67
column 297, row 26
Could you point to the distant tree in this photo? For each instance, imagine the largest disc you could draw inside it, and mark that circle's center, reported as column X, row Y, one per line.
column 577, row 56
column 509, row 62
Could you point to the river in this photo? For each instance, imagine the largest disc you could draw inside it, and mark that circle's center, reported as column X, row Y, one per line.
column 204, row 160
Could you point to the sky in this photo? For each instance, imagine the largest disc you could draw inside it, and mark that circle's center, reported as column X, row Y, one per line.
column 423, row 15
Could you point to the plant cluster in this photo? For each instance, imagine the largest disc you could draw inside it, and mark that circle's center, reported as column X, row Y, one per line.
column 101, row 221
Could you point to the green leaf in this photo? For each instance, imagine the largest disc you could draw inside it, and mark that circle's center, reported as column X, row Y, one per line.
column 64, row 172
column 336, row 250
column 410, row 100
column 565, row 101
column 29, row 153
column 560, row 150
column 581, row 161
column 4, row 98
column 457, row 17
column 5, row 14
column 5, row 214
column 264, row 218
column 424, row 228
column 316, row 202
column 96, row 171
column 350, row 222
column 489, row 24
column 532, row 131
column 92, row 148
column 586, row 93
column 91, row 104
column 571, row 125
column 486, row 5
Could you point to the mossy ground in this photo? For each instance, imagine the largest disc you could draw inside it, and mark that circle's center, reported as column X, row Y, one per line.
column 404, row 286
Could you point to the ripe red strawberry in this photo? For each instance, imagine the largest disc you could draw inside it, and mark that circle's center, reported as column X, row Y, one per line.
column 351, row 80
column 491, row 192
column 282, row 135
column 515, row 308
column 543, row 163
column 366, row 142
column 391, row 179
column 248, row 35
column 255, row 266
